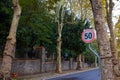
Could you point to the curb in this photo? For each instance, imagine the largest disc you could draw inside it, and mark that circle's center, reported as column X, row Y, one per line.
column 53, row 75
column 64, row 74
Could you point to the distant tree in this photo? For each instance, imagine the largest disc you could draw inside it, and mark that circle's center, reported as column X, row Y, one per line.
column 59, row 18
column 88, row 55
column 82, row 8
column 72, row 38
column 36, row 27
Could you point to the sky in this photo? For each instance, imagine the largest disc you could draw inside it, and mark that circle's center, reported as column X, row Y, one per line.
column 116, row 11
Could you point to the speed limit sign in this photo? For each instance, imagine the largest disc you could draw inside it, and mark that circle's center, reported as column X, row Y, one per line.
column 88, row 35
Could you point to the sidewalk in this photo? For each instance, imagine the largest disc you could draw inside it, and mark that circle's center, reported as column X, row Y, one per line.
column 44, row 76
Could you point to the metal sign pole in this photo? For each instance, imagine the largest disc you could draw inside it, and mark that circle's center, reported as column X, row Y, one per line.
column 99, row 61
column 88, row 35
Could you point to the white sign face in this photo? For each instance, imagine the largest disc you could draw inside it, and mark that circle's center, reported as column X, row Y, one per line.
column 88, row 35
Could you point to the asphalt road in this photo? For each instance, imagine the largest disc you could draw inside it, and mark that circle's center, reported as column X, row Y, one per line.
column 87, row 75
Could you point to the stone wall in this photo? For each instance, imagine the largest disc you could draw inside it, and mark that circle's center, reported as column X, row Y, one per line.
column 33, row 66
column 26, row 66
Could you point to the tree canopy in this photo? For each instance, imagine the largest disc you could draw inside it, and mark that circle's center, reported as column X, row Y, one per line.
column 37, row 27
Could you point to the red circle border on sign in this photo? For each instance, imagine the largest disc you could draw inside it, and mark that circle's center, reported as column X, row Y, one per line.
column 93, row 37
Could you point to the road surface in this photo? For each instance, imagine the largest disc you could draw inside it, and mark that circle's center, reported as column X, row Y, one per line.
column 87, row 75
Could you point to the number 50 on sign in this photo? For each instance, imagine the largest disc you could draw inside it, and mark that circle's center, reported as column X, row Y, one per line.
column 88, row 35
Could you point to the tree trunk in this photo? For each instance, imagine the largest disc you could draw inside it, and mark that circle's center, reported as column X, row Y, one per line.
column 83, row 62
column 103, row 43
column 8, row 53
column 58, row 65
column 96, row 64
column 71, row 63
column 59, row 19
column 79, row 62
column 109, row 9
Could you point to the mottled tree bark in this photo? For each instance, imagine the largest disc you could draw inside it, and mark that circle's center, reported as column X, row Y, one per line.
column 96, row 64
column 59, row 19
column 103, row 43
column 79, row 62
column 109, row 9
column 9, row 50
column 59, row 42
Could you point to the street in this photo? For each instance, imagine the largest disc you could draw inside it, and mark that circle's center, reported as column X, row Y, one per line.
column 87, row 75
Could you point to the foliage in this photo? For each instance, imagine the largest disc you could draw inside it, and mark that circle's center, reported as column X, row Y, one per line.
column 5, row 20
column 88, row 55
column 117, row 33
column 82, row 9
column 72, row 38
column 36, row 27
column 72, row 44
